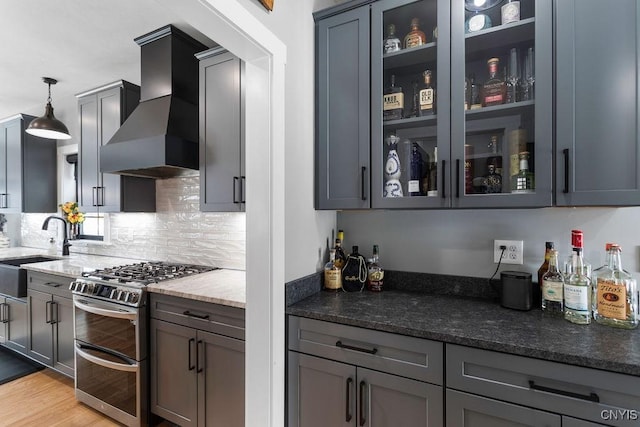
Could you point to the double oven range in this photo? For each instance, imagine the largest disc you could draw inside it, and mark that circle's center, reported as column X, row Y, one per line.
column 111, row 336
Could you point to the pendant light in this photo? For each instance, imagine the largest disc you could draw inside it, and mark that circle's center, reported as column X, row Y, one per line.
column 48, row 126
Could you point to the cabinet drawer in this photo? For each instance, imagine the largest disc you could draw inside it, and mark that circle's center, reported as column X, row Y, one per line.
column 216, row 318
column 49, row 283
column 410, row 357
column 571, row 390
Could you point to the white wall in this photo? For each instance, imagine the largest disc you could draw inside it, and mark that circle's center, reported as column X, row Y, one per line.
column 460, row 242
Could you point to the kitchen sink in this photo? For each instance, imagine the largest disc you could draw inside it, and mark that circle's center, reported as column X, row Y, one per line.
column 13, row 278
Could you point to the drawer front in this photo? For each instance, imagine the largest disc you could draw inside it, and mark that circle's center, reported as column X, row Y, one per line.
column 49, row 283
column 410, row 357
column 571, row 390
column 219, row 319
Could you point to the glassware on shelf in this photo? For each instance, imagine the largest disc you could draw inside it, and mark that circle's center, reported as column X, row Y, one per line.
column 513, row 78
column 523, row 181
column 392, row 169
column 393, row 101
column 416, row 37
column 510, row 12
column 528, row 76
column 391, row 42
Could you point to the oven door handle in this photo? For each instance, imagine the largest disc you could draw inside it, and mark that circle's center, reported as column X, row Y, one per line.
column 85, row 306
column 129, row 367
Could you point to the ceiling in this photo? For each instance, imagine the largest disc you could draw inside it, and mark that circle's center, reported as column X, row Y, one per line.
column 81, row 43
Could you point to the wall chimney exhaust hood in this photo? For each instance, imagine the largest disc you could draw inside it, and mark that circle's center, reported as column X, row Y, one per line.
column 160, row 137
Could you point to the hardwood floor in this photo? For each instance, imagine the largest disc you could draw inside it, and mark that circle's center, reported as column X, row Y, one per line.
column 46, row 398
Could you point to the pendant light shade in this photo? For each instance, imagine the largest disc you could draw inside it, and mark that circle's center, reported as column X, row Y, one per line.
column 48, row 126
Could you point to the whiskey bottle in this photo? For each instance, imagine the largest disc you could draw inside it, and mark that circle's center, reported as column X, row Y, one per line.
column 494, row 90
column 552, row 286
column 375, row 276
column 427, row 95
column 391, row 42
column 341, row 257
column 548, row 247
column 496, row 157
column 615, row 293
column 393, row 101
column 523, row 182
column 413, row 185
column 415, row 37
column 332, row 273
column 475, row 93
column 577, row 286
column 354, row 272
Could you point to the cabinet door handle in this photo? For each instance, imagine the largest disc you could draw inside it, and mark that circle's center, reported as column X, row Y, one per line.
column 442, row 178
column 235, row 181
column 54, row 312
column 94, row 195
column 47, row 309
column 457, row 178
column 360, row 349
column 100, row 196
column 52, row 284
column 242, row 181
column 4, row 197
column 565, row 154
column 4, row 313
column 591, row 397
column 189, row 365
column 363, row 387
column 7, row 313
column 348, row 414
column 363, row 172
column 197, row 316
column 199, row 355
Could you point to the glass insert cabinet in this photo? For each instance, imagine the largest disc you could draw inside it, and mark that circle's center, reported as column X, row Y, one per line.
column 459, row 102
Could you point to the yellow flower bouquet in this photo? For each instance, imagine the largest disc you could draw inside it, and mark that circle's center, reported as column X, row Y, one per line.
column 72, row 214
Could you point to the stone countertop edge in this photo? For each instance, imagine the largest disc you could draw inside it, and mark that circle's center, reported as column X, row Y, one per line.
column 479, row 323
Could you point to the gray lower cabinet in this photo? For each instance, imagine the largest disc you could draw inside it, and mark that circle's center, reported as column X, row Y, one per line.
column 222, row 148
column 481, row 381
column 346, row 376
column 597, row 126
column 50, row 320
column 13, row 326
column 197, row 372
column 468, row 410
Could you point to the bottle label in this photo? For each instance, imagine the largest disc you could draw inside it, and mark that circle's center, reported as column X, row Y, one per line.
column 414, row 186
column 576, row 297
column 333, row 279
column 413, row 40
column 612, row 299
column 494, row 94
column 426, row 99
column 393, row 101
column 552, row 290
column 391, row 45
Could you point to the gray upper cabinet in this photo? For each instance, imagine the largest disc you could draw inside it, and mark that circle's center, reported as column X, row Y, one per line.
column 342, row 110
column 597, row 126
column 101, row 112
column 27, row 169
column 222, row 172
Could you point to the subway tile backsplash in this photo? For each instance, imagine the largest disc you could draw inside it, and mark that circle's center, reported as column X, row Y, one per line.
column 177, row 232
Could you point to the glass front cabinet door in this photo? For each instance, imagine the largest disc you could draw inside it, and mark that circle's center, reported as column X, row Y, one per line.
column 461, row 103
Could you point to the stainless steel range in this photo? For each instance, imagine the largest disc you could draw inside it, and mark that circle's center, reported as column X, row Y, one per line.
column 110, row 325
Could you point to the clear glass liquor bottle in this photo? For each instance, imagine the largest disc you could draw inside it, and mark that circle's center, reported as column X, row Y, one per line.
column 332, row 273
column 494, row 90
column 415, row 37
column 393, row 101
column 552, row 287
column 391, row 43
column 523, row 182
column 577, row 292
column 427, row 95
column 375, row 277
column 615, row 293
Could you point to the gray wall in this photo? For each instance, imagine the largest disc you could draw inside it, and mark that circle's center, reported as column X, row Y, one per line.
column 460, row 242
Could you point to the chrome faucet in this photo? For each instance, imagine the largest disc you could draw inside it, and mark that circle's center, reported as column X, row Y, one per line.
column 65, row 241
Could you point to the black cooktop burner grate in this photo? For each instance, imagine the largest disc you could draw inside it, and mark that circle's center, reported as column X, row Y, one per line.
column 147, row 272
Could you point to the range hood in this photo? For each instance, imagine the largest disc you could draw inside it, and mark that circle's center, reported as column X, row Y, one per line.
column 160, row 137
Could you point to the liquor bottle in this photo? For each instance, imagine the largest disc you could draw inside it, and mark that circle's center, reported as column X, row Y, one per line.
column 496, row 154
column 415, row 101
column 415, row 37
column 391, row 42
column 354, row 272
column 494, row 90
column 427, row 95
column 341, row 257
column 615, row 293
column 475, row 101
column 468, row 169
column 467, row 93
column 523, row 182
column 433, row 175
column 477, row 22
column 548, row 247
column 552, row 286
column 393, row 101
column 375, row 277
column 513, row 78
column 332, row 273
column 577, row 286
column 510, row 12
column 392, row 169
column 415, row 171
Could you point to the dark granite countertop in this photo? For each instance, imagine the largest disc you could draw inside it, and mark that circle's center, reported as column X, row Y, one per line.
column 480, row 323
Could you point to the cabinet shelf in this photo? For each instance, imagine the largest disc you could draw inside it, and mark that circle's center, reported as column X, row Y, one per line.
column 499, row 110
column 500, row 36
column 412, row 56
column 411, row 122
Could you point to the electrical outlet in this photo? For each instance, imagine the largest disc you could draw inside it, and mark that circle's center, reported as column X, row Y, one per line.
column 511, row 255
